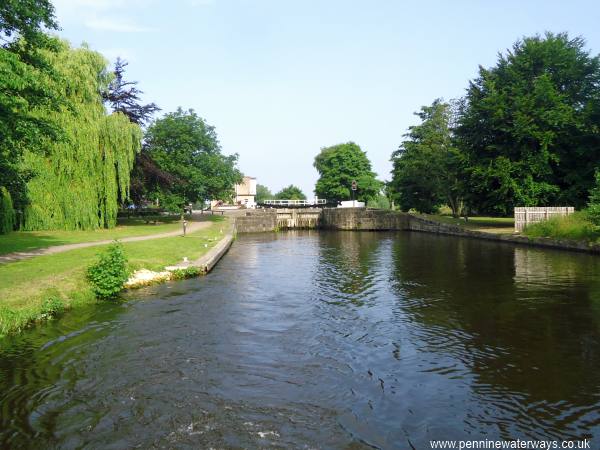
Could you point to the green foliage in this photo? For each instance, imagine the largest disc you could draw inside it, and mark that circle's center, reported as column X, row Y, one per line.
column 27, row 81
column 109, row 273
column 338, row 166
column 593, row 209
column 262, row 193
column 427, row 168
column 25, row 18
column 290, row 192
column 574, row 226
column 186, row 147
column 7, row 213
column 529, row 126
column 78, row 182
column 188, row 272
column 52, row 306
column 380, row 202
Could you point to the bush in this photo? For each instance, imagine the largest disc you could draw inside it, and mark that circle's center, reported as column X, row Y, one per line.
column 108, row 275
column 593, row 210
column 52, row 307
column 7, row 213
column 182, row 274
column 576, row 226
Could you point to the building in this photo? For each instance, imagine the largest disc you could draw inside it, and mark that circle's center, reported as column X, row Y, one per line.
column 245, row 193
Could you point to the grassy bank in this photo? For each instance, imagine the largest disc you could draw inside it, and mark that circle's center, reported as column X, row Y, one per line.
column 34, row 289
column 19, row 241
column 576, row 227
column 502, row 225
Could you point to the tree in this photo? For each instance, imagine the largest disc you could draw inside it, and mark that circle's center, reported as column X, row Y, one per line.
column 529, row 126
column 26, row 85
column 7, row 212
column 185, row 146
column 290, row 192
column 25, row 18
column 338, row 166
column 77, row 182
column 124, row 97
column 262, row 193
column 427, row 166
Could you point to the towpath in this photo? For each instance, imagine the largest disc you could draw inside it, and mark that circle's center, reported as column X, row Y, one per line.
column 18, row 256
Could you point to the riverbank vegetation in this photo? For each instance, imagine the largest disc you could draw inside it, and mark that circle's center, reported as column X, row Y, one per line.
column 583, row 225
column 29, row 287
column 525, row 134
column 576, row 226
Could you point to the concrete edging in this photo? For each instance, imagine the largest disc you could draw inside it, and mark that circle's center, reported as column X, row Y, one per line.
column 206, row 262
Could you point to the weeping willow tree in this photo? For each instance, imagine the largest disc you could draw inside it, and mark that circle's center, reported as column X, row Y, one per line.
column 7, row 213
column 78, row 182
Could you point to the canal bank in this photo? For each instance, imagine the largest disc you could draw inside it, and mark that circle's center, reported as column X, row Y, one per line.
column 360, row 219
column 186, row 268
column 38, row 288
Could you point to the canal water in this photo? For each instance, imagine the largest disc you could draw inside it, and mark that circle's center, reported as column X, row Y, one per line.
column 322, row 340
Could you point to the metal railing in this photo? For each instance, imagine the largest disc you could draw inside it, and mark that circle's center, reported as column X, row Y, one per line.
column 314, row 202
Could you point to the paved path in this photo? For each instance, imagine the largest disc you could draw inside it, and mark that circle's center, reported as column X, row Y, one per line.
column 17, row 256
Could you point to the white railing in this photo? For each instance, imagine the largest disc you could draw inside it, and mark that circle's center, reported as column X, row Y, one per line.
column 525, row 215
column 314, row 202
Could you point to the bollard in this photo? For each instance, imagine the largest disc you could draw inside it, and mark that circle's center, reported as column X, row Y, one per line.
column 184, row 223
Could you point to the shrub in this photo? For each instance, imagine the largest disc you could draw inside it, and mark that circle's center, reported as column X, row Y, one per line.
column 52, row 307
column 108, row 275
column 593, row 210
column 7, row 213
column 575, row 226
column 182, row 274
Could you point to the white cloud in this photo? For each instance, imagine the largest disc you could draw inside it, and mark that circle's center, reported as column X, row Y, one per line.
column 117, row 25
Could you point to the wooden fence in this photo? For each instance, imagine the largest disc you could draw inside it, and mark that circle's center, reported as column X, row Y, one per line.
column 525, row 215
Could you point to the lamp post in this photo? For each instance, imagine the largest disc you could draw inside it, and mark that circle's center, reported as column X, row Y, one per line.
column 354, row 186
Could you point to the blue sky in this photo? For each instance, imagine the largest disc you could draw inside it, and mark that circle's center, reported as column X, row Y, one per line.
column 281, row 79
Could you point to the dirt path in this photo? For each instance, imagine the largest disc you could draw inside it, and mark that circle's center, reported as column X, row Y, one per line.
column 18, row 256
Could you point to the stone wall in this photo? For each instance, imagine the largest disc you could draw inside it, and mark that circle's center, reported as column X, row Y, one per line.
column 360, row 219
column 416, row 223
column 363, row 219
column 256, row 222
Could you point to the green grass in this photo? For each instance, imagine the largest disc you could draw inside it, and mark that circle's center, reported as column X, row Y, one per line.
column 27, row 287
column 19, row 241
column 487, row 224
column 575, row 227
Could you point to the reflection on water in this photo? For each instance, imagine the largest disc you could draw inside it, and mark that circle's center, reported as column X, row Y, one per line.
column 322, row 340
